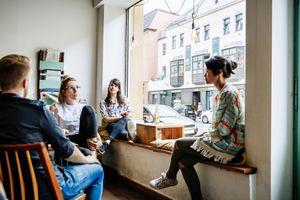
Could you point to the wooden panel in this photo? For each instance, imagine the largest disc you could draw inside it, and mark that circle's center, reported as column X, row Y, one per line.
column 51, row 65
column 49, row 84
column 166, row 133
column 146, row 134
column 150, row 132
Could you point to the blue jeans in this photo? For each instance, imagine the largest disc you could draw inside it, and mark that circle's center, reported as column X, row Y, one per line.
column 77, row 177
column 117, row 129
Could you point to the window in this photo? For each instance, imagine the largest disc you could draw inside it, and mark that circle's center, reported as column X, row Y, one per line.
column 236, row 54
column 181, row 39
column 239, row 22
column 164, row 71
column 209, row 99
column 198, row 34
column 206, row 32
column 177, row 73
column 164, row 49
column 173, row 69
column 226, row 25
column 174, row 42
column 198, row 69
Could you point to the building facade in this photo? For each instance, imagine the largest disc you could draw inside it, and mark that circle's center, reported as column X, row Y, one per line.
column 220, row 30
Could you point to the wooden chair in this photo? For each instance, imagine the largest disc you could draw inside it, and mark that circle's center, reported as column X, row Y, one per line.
column 16, row 163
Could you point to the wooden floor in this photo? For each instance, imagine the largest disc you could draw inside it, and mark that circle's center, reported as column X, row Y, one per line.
column 116, row 190
column 119, row 188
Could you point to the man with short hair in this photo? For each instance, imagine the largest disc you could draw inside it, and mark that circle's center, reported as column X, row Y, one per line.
column 28, row 121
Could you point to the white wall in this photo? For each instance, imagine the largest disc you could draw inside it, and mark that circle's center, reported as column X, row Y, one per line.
column 67, row 25
column 268, row 96
column 282, row 105
column 111, row 38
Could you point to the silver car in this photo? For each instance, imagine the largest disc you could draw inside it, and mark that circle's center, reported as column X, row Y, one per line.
column 168, row 115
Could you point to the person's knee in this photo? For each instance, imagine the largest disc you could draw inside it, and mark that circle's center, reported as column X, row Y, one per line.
column 88, row 110
column 99, row 172
column 181, row 165
column 178, row 144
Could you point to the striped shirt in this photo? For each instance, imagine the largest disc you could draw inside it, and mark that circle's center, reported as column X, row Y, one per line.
column 228, row 120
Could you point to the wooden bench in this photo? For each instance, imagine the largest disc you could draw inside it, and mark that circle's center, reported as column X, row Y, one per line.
column 244, row 169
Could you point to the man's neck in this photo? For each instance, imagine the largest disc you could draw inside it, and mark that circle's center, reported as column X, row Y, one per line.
column 13, row 91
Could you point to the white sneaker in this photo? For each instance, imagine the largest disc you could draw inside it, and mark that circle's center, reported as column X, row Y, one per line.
column 131, row 127
column 163, row 182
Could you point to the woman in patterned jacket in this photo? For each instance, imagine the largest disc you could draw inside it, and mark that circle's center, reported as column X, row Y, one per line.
column 224, row 141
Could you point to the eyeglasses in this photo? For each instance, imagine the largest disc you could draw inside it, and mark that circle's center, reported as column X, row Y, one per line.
column 73, row 87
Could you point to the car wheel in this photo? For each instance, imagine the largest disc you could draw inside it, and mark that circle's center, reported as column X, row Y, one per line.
column 205, row 119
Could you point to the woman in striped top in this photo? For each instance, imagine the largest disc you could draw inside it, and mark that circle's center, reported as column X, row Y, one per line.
column 224, row 141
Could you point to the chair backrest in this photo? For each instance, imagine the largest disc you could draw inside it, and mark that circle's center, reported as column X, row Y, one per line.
column 16, row 164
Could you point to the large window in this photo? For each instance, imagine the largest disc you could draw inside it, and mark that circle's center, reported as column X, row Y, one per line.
column 174, row 64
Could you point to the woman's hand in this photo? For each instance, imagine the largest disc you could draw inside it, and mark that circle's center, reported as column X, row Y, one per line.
column 125, row 114
column 66, row 132
column 94, row 143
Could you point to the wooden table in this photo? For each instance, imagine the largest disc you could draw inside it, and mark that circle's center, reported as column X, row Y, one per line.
column 148, row 132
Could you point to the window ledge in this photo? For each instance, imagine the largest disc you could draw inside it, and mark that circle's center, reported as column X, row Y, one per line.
column 243, row 169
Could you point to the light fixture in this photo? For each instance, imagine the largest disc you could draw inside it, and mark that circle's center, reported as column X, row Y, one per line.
column 133, row 41
column 194, row 36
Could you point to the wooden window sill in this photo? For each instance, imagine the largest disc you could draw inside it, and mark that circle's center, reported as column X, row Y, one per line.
column 243, row 169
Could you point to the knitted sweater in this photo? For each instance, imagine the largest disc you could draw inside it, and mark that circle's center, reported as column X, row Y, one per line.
column 226, row 135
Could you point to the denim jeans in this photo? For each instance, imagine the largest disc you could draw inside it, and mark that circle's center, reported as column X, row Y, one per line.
column 117, row 129
column 77, row 177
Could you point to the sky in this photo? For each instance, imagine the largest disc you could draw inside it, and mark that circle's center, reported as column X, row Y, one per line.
column 174, row 5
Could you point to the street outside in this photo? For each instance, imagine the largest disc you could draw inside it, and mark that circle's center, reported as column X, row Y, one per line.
column 201, row 126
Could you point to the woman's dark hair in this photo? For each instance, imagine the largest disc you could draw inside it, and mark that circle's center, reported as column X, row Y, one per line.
column 120, row 98
column 218, row 64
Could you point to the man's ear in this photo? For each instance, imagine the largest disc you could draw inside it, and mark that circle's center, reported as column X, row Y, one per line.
column 25, row 83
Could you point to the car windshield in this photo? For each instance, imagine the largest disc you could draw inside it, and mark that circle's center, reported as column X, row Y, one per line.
column 163, row 111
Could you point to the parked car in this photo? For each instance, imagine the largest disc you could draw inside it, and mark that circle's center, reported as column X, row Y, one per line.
column 186, row 110
column 206, row 116
column 168, row 115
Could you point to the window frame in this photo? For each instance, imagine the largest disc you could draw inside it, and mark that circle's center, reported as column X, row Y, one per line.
column 239, row 22
column 181, row 39
column 174, row 42
column 206, row 31
column 226, row 26
column 164, row 49
column 177, row 72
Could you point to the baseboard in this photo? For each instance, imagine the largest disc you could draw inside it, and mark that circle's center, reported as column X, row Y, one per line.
column 112, row 173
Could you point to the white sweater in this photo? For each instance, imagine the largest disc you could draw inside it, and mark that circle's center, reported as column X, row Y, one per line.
column 69, row 116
